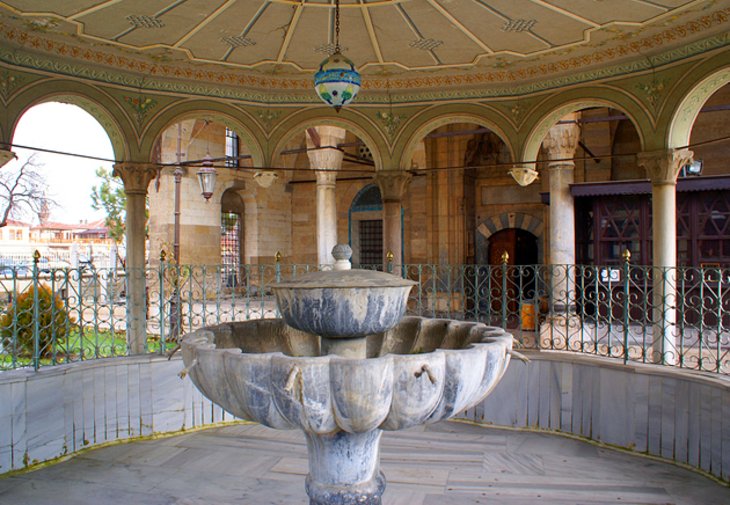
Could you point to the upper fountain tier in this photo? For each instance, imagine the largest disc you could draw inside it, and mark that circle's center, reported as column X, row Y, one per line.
column 343, row 304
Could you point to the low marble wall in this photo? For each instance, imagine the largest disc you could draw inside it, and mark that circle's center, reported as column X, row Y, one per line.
column 60, row 410
column 673, row 414
column 670, row 413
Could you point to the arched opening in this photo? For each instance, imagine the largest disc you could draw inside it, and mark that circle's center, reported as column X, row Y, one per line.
column 625, row 143
column 324, row 168
column 460, row 177
column 513, row 283
column 366, row 227
column 232, row 238
column 181, row 221
column 601, row 161
column 53, row 209
column 703, row 218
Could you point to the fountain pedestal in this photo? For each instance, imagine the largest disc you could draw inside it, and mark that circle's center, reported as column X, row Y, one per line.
column 344, row 468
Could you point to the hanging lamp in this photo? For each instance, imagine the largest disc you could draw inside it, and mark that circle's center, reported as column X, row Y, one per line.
column 337, row 82
column 206, row 177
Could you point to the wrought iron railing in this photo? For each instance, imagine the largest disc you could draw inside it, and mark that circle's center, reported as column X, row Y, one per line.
column 678, row 317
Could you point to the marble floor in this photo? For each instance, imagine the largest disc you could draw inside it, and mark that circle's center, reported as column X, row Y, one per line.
column 445, row 464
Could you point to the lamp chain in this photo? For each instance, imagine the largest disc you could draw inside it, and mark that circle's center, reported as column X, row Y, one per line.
column 337, row 26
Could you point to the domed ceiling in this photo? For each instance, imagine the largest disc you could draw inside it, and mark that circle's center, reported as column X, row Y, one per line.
column 403, row 43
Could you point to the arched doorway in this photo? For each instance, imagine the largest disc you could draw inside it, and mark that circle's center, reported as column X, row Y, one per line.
column 366, row 226
column 521, row 245
column 513, row 282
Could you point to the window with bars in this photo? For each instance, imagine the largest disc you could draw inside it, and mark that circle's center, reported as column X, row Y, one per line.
column 371, row 242
column 230, row 247
column 232, row 142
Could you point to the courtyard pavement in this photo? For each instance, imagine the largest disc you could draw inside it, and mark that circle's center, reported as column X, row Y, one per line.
column 445, row 464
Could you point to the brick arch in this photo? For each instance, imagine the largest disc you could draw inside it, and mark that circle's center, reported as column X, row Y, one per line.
column 503, row 221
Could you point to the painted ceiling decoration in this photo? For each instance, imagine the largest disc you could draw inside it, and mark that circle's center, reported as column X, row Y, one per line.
column 399, row 44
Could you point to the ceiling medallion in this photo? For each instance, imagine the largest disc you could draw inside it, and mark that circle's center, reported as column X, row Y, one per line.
column 337, row 82
column 144, row 21
column 426, row 44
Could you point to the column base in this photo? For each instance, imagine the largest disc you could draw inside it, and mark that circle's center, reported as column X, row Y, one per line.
column 369, row 493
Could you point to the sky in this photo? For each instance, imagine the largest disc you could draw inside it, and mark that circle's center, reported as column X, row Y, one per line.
column 67, row 128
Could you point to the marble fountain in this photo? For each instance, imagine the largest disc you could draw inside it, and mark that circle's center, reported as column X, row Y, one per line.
column 344, row 365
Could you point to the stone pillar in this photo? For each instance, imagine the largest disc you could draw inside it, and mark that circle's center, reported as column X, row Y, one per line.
column 393, row 185
column 662, row 168
column 560, row 145
column 136, row 178
column 326, row 159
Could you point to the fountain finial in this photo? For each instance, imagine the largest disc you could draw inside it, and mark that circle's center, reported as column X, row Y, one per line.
column 342, row 254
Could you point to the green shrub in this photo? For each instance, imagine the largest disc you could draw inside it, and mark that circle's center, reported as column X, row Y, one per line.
column 54, row 323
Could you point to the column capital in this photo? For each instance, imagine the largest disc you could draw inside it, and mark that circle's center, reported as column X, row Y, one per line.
column 663, row 166
column 322, row 144
column 326, row 177
column 392, row 184
column 135, row 176
column 6, row 155
column 561, row 141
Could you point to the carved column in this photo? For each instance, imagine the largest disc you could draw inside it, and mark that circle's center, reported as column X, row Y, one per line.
column 662, row 169
column 326, row 159
column 136, row 178
column 393, row 185
column 560, row 145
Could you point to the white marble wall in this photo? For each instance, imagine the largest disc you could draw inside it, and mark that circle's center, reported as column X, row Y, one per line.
column 669, row 413
column 60, row 410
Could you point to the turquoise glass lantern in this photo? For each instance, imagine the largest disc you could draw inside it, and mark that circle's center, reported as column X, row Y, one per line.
column 337, row 82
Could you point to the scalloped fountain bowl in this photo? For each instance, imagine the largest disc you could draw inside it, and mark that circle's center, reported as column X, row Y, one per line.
column 411, row 372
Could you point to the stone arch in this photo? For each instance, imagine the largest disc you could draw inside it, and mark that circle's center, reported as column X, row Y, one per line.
column 438, row 116
column 557, row 107
column 213, row 111
column 349, row 120
column 94, row 101
column 521, row 220
column 684, row 116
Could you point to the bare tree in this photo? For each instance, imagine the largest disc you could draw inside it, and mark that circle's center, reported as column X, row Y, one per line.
column 22, row 190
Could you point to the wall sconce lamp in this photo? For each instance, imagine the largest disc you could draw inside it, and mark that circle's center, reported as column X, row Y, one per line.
column 691, row 169
column 523, row 174
column 265, row 178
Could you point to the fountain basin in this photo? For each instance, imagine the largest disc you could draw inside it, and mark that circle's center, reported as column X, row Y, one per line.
column 420, row 371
